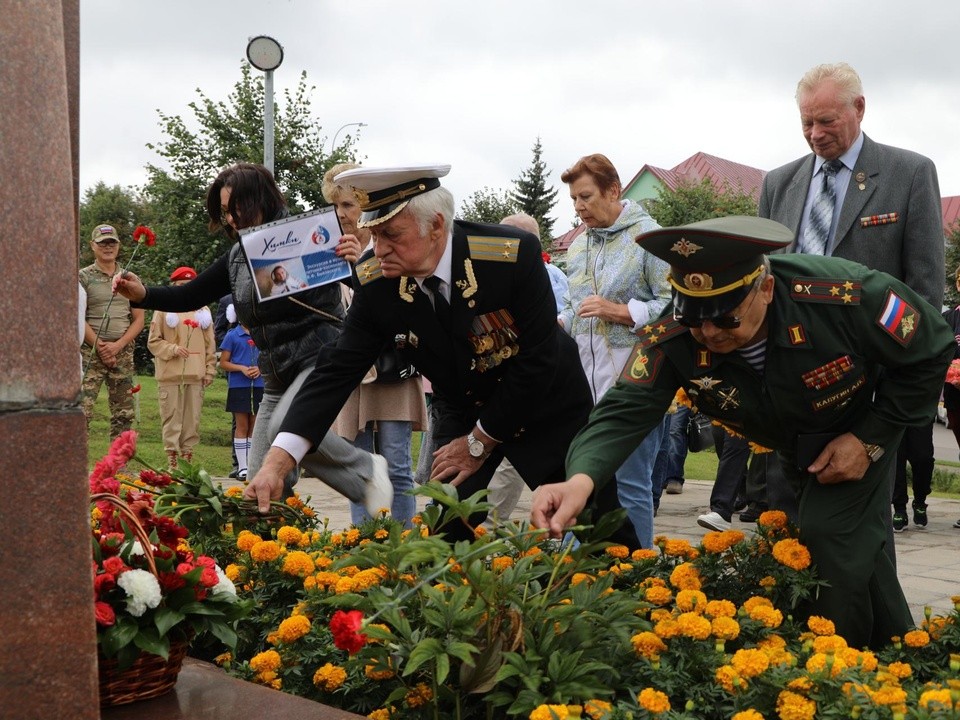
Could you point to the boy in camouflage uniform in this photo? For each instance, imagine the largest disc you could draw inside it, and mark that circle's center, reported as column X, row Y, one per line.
column 118, row 325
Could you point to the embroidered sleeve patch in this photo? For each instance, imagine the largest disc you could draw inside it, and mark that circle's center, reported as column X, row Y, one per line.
column 654, row 333
column 831, row 291
column 493, row 248
column 642, row 367
column 369, row 270
column 899, row 319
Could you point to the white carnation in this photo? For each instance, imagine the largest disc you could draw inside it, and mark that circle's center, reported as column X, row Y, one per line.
column 225, row 585
column 143, row 591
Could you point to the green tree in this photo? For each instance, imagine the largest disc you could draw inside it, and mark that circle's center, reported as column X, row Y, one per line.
column 694, row 201
column 488, row 206
column 952, row 262
column 114, row 205
column 532, row 195
column 228, row 132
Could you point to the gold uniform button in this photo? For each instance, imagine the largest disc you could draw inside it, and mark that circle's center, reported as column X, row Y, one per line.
column 798, row 288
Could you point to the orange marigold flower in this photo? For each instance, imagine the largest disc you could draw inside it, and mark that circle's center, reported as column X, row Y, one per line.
column 729, row 679
column 351, row 537
column 289, row 535
column 718, row 542
column 889, row 695
column 233, row 572
column 235, row 491
column 776, row 519
column 297, row 563
column 756, row 601
column 936, row 625
column 659, row 614
column 829, row 644
column 293, row 628
column 596, row 709
column 768, row 581
column 269, row 660
column 792, row 554
column 658, row 595
column 679, row 548
column 793, row 706
column 820, row 625
column 770, row 617
column 801, row 685
column 381, row 534
column 720, row 608
column 917, row 638
column 900, row 670
column 295, row 502
column 329, row 677
column 265, row 551
column 617, row 551
column 479, row 531
column 685, row 577
column 549, row 712
column 419, row 695
column 648, row 644
column 694, row 625
column 379, row 671
column 750, row 714
column 750, row 662
column 379, row 714
column 246, row 540
column 581, row 577
column 643, row 554
column 934, row 699
column 653, row 701
column 667, row 628
column 345, row 585
column 823, row 662
column 223, row 658
column 499, row 564
column 691, row 601
column 725, row 628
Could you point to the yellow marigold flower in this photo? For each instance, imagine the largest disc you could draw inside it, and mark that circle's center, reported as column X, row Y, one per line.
column 268, row 660
column 329, row 677
column 936, row 625
column 770, row 617
column 233, row 572
column 479, row 531
column 648, row 644
column 720, row 608
column 685, row 577
column 532, row 552
column 345, row 585
column 309, row 583
column 305, row 540
column 801, row 685
column 936, row 698
column 322, row 562
column 266, row 677
column 293, row 628
column 235, row 491
column 821, row 626
column 658, row 595
column 295, row 502
column 768, row 582
column 680, row 548
column 691, row 601
column 380, row 714
column 417, row 520
column 667, row 628
column 660, row 614
column 289, row 535
column 223, row 658
column 351, row 537
column 653, row 582
column 379, row 671
column 694, row 625
column 418, row 695
column 899, row 670
column 728, row 679
column 792, row 706
column 246, row 540
column 829, row 644
column 725, row 628
column 653, row 701
column 596, row 709
column 750, row 714
column 273, row 638
column 549, row 712
column 617, row 551
column 750, row 662
column 917, row 638
column 718, row 542
column 581, row 577
column 640, row 555
column 336, row 538
column 499, row 564
column 381, row 534
column 791, row 553
column 865, row 659
column 297, row 563
column 265, row 551
column 326, row 580
column 307, row 511
column 756, row 601
column 776, row 519
column 822, row 662
column 889, row 695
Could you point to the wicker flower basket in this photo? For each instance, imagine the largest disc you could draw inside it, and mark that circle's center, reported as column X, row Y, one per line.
column 150, row 675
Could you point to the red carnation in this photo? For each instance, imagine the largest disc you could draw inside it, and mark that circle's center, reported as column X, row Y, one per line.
column 251, row 343
column 124, row 447
column 345, row 627
column 135, row 389
column 170, row 581
column 142, row 231
column 104, row 614
column 114, row 565
column 154, row 478
column 546, row 257
column 190, row 322
column 103, row 583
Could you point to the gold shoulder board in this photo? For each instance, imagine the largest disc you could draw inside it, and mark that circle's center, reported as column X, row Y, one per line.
column 832, row 291
column 369, row 270
column 657, row 332
column 497, row 249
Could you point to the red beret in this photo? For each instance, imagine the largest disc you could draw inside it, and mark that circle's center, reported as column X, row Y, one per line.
column 183, row 273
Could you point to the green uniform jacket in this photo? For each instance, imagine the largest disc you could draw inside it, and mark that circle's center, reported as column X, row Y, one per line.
column 848, row 350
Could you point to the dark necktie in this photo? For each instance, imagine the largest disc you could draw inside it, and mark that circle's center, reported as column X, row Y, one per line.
column 440, row 304
column 817, row 233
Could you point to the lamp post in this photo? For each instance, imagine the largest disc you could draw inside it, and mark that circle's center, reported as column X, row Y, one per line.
column 333, row 145
column 266, row 54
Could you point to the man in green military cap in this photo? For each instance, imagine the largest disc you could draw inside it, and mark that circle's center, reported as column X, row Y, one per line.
column 786, row 350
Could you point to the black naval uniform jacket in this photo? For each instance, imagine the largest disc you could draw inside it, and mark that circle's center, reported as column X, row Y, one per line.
column 505, row 361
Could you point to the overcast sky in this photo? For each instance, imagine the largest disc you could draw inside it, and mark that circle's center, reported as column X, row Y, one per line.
column 473, row 84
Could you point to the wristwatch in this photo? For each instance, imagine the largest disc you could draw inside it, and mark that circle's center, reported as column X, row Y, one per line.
column 475, row 447
column 874, row 452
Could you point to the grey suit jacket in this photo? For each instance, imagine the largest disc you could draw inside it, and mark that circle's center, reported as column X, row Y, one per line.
column 893, row 181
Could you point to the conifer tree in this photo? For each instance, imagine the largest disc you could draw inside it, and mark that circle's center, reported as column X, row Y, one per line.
column 533, row 196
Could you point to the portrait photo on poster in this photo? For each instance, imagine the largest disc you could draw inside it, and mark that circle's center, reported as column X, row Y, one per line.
column 294, row 254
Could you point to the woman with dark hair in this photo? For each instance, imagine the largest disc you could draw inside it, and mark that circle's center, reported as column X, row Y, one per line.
column 288, row 332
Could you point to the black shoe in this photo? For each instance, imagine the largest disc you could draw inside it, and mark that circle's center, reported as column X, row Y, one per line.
column 739, row 504
column 674, row 487
column 234, row 474
column 899, row 521
column 752, row 513
column 920, row 514
column 957, row 524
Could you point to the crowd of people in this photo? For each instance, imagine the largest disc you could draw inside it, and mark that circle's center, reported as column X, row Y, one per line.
column 813, row 330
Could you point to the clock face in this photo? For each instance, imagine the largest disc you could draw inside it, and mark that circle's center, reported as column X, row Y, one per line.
column 264, row 53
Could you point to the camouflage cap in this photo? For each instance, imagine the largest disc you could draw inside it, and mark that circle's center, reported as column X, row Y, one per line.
column 713, row 263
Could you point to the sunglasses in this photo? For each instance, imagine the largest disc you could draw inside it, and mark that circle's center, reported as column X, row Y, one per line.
column 106, row 242
column 721, row 322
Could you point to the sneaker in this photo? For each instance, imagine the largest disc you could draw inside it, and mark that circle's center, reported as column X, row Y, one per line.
column 379, row 492
column 234, row 474
column 713, row 521
column 900, row 521
column 752, row 513
column 957, row 524
column 920, row 515
column 674, row 487
column 242, row 474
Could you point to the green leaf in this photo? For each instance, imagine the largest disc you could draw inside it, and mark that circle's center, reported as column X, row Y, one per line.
column 150, row 643
column 224, row 634
column 443, row 667
column 425, row 650
column 118, row 636
column 165, row 618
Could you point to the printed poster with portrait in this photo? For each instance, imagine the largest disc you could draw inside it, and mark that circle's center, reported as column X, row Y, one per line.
column 294, row 254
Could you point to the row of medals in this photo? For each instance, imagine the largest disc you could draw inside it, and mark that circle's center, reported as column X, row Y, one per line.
column 495, row 347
